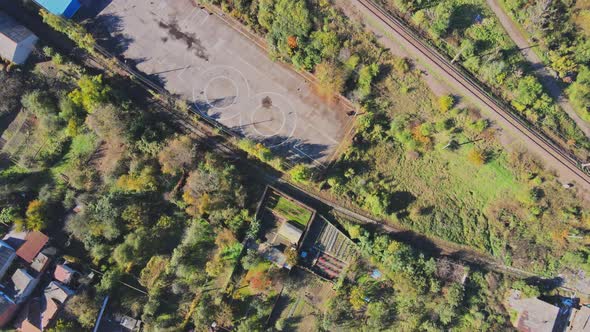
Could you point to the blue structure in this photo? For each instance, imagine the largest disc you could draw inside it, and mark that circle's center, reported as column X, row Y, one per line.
column 65, row 8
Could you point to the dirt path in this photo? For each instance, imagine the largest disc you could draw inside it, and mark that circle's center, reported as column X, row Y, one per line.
column 541, row 71
column 437, row 246
column 391, row 31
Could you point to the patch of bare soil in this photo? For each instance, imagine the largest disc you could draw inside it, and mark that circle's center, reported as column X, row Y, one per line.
column 106, row 158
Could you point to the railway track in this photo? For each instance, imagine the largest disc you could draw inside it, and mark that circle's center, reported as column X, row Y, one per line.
column 562, row 157
column 225, row 147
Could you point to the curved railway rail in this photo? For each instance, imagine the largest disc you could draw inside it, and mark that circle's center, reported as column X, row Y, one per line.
column 565, row 158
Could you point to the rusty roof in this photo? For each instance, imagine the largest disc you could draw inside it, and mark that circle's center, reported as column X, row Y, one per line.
column 34, row 243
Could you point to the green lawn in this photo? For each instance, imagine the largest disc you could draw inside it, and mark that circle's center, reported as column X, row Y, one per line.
column 291, row 211
column 83, row 145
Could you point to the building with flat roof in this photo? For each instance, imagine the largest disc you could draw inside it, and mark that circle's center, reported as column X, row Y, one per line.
column 24, row 284
column 65, row 8
column 16, row 41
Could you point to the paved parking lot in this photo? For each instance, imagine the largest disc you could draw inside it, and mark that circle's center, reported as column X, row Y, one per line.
column 196, row 55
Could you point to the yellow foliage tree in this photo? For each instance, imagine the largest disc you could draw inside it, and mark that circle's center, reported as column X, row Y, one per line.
column 331, row 79
column 144, row 181
column 476, row 157
column 357, row 298
column 35, row 216
column 446, row 102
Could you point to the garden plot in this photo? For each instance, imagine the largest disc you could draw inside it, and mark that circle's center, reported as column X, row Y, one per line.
column 301, row 303
column 284, row 221
column 326, row 250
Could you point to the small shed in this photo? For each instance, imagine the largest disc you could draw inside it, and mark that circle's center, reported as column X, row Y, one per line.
column 65, row 8
column 16, row 41
column 290, row 232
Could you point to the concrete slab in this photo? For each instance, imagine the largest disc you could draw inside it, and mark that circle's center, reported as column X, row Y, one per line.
column 230, row 79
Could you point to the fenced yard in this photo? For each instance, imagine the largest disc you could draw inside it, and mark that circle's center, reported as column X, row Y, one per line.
column 328, row 251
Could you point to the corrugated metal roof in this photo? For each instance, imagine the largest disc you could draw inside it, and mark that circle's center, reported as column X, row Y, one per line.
column 12, row 29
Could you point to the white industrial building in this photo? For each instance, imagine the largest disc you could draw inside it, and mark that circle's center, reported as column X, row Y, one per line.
column 16, row 41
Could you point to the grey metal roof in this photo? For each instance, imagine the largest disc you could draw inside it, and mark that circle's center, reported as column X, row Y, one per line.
column 58, row 292
column 290, row 232
column 6, row 254
column 12, row 29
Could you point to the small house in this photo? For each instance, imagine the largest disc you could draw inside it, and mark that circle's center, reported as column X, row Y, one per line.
column 34, row 243
column 58, row 292
column 65, row 8
column 24, row 284
column 290, row 233
column 40, row 262
column 532, row 313
column 16, row 41
column 63, row 273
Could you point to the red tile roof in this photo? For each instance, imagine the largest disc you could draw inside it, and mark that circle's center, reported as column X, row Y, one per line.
column 34, row 243
column 63, row 273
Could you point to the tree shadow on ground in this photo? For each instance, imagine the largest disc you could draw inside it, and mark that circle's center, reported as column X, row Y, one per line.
column 464, row 16
column 108, row 29
column 400, row 200
column 295, row 149
column 91, row 8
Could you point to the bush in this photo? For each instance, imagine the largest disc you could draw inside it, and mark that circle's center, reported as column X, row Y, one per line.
column 445, row 103
column 331, row 78
column 300, row 173
column 579, row 93
column 74, row 31
column 262, row 153
column 476, row 156
column 91, row 92
column 366, row 76
column 401, row 65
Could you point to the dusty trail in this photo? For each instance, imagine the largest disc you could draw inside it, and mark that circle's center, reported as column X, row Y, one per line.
column 555, row 158
column 541, row 71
